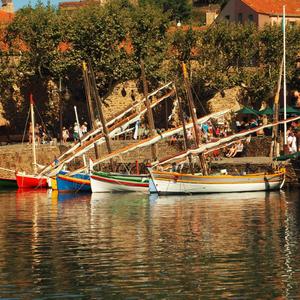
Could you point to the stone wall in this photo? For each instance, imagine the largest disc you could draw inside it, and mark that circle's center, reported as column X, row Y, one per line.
column 117, row 101
column 20, row 157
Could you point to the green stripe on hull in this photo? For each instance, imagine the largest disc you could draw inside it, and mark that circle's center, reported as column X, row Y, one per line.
column 124, row 177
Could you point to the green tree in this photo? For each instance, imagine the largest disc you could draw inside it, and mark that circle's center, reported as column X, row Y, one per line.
column 148, row 36
column 35, row 34
column 178, row 9
column 100, row 34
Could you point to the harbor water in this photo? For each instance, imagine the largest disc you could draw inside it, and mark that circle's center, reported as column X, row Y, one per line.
column 132, row 246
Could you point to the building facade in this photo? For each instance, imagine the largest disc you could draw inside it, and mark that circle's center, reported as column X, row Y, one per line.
column 260, row 12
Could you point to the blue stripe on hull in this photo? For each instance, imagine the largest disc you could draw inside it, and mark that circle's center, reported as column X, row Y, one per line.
column 70, row 186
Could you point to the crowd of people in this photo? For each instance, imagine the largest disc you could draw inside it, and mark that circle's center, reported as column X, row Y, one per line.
column 43, row 136
column 209, row 131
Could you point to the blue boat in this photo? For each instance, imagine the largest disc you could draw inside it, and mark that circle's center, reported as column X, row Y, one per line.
column 76, row 183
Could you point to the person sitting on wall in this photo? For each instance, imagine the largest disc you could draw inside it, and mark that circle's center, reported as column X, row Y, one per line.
column 232, row 150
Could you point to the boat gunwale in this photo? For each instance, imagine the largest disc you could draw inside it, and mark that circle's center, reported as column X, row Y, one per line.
column 120, row 182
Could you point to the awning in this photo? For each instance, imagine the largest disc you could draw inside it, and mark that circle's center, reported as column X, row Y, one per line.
column 266, row 111
column 247, row 111
column 290, row 110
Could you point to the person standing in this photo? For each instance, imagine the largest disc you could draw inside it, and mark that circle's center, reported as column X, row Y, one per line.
column 292, row 143
column 65, row 135
column 76, row 132
column 83, row 128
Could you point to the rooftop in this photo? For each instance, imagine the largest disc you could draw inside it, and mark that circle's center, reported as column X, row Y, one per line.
column 6, row 17
column 275, row 7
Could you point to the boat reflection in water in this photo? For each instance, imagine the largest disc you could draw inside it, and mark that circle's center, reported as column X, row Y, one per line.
column 226, row 197
column 223, row 246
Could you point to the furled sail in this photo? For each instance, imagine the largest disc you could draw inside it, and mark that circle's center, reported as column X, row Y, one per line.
column 152, row 140
column 218, row 144
column 116, row 126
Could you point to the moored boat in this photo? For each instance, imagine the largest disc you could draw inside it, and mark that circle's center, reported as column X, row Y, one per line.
column 76, row 183
column 34, row 181
column 31, row 181
column 8, row 183
column 103, row 182
column 177, row 183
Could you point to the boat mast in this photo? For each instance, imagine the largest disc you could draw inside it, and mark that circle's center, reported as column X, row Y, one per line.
column 274, row 143
column 79, row 133
column 186, row 142
column 284, row 76
column 194, row 117
column 149, row 111
column 33, row 135
column 101, row 115
column 87, row 88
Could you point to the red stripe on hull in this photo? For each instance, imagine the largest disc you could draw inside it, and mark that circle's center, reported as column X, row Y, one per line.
column 119, row 182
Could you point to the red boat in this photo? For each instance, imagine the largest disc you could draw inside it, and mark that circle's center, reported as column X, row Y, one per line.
column 31, row 181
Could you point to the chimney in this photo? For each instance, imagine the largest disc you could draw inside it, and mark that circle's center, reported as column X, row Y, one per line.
column 7, row 6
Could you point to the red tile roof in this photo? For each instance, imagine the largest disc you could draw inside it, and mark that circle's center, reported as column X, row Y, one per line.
column 72, row 4
column 275, row 7
column 6, row 17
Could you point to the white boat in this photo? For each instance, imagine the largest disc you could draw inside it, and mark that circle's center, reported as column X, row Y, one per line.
column 178, row 183
column 103, row 182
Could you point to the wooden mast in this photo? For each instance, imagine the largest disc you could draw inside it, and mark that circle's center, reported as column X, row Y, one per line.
column 101, row 115
column 87, row 89
column 194, row 117
column 33, row 135
column 274, row 143
column 87, row 86
column 149, row 111
column 186, row 142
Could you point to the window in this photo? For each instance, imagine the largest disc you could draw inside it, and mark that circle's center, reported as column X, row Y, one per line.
column 250, row 18
column 292, row 23
column 227, row 17
column 240, row 18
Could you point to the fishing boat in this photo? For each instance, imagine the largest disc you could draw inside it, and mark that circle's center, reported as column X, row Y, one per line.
column 31, row 181
column 103, row 182
column 168, row 183
column 26, row 180
column 8, row 183
column 76, row 183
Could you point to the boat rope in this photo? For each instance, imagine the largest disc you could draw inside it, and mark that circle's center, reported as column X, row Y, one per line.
column 25, row 126
column 8, row 170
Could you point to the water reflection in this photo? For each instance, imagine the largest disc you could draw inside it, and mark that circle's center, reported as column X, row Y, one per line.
column 124, row 246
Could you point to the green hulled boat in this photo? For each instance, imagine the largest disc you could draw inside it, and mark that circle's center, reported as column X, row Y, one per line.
column 8, row 183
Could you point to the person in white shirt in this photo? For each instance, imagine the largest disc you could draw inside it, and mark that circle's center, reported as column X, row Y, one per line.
column 292, row 142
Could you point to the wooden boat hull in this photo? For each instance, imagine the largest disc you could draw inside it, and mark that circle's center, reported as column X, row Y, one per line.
column 75, row 183
column 102, row 182
column 31, row 181
column 176, row 183
column 8, row 183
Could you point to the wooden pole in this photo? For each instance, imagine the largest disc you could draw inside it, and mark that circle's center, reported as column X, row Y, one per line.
column 149, row 112
column 33, row 135
column 185, row 139
column 194, row 117
column 87, row 88
column 101, row 115
column 274, row 143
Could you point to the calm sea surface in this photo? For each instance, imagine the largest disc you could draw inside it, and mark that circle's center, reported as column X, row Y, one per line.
column 233, row 246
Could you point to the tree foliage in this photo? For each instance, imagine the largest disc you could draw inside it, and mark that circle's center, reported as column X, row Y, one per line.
column 177, row 9
column 47, row 44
